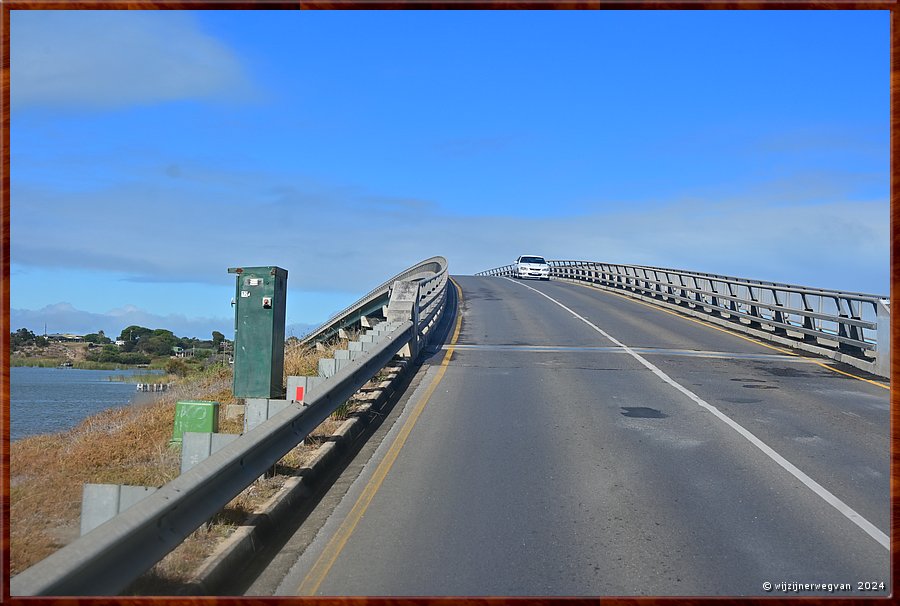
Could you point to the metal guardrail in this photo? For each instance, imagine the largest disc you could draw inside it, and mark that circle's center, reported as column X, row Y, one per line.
column 110, row 557
column 848, row 326
column 430, row 273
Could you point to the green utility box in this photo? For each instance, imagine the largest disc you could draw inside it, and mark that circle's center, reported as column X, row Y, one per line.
column 260, row 294
column 195, row 415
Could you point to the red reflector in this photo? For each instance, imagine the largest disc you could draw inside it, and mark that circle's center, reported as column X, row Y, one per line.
column 299, row 397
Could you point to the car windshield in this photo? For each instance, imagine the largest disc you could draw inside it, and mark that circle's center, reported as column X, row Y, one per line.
column 533, row 260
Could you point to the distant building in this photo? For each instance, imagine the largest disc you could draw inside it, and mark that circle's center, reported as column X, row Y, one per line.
column 67, row 337
column 120, row 343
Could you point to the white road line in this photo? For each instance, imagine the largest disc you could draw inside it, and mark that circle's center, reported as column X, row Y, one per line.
column 817, row 488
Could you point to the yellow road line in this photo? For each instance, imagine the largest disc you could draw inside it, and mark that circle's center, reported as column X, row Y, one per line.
column 329, row 555
column 823, row 365
column 734, row 334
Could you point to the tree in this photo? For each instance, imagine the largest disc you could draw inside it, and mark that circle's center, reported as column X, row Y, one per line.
column 134, row 333
column 201, row 353
column 217, row 339
column 160, row 344
column 112, row 354
column 97, row 337
column 21, row 337
column 109, row 353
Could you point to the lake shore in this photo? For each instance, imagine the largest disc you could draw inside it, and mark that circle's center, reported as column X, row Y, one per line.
column 130, row 445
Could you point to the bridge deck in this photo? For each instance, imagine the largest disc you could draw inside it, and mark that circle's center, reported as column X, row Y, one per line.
column 581, row 443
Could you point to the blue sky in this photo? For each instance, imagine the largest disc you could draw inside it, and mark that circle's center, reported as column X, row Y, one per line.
column 150, row 151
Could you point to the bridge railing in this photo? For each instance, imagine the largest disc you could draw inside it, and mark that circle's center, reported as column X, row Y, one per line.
column 430, row 273
column 506, row 270
column 109, row 558
column 848, row 326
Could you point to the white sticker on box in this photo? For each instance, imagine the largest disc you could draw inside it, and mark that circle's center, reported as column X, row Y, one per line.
column 245, row 294
column 254, row 281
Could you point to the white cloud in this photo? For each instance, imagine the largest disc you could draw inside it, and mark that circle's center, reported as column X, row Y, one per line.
column 107, row 59
column 340, row 242
column 841, row 245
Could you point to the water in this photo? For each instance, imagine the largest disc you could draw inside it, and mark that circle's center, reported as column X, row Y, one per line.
column 50, row 400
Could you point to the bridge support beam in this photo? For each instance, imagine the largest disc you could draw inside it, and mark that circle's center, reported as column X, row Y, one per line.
column 404, row 306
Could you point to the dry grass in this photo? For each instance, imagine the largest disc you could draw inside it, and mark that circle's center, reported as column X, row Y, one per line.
column 303, row 360
column 129, row 445
column 122, row 446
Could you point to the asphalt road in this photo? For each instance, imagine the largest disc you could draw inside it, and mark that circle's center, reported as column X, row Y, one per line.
column 576, row 442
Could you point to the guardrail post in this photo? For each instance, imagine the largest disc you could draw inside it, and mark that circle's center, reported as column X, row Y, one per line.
column 778, row 314
column 845, row 330
column 754, row 309
column 670, row 289
column 102, row 502
column 404, row 306
column 198, row 446
column 684, row 293
column 732, row 303
column 883, row 345
column 698, row 297
column 809, row 322
column 714, row 300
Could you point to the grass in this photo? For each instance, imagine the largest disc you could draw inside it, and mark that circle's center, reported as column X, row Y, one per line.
column 129, row 445
column 89, row 365
column 144, row 378
column 16, row 360
column 122, row 446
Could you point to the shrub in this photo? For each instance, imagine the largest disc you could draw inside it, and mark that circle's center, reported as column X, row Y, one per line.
column 177, row 366
column 133, row 358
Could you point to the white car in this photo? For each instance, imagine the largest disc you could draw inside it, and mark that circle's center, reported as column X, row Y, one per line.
column 531, row 266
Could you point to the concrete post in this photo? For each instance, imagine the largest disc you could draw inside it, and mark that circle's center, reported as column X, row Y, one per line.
column 327, row 367
column 197, row 447
column 403, row 306
column 259, row 410
column 883, row 344
column 299, row 388
column 368, row 322
column 102, row 502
